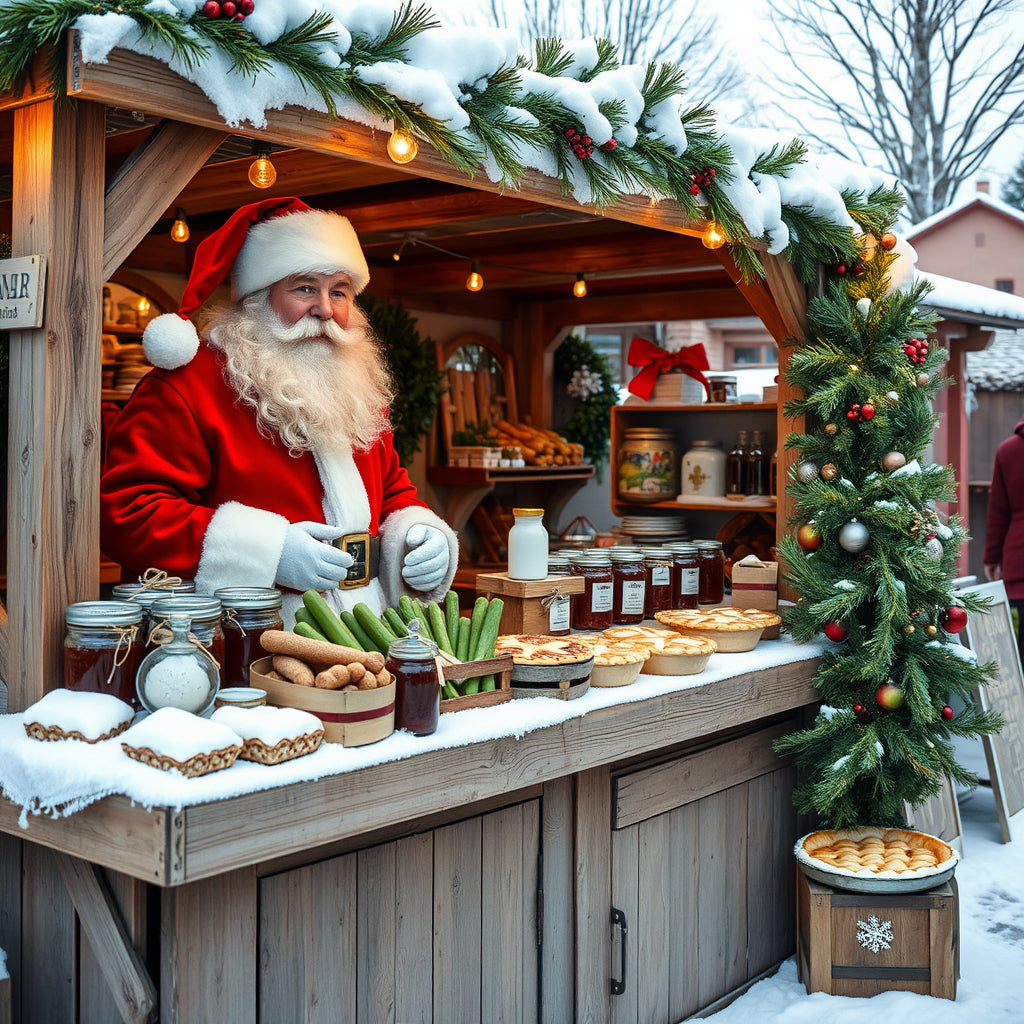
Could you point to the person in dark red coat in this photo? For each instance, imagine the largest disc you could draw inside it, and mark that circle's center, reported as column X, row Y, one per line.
column 240, row 460
column 1004, row 530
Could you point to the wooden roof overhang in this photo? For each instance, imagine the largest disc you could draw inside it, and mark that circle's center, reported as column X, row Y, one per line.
column 92, row 202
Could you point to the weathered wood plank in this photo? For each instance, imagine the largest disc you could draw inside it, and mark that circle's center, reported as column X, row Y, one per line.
column 213, row 923
column 652, row 927
column 457, row 948
column 502, row 914
column 651, row 791
column 712, row 897
column 556, row 980
column 625, row 845
column 53, row 446
column 138, row 197
column 593, row 884
column 735, row 909
column 376, row 975
column 123, row 968
column 11, row 851
column 684, row 859
column 762, row 883
column 414, row 929
column 48, row 968
column 787, row 831
column 529, row 925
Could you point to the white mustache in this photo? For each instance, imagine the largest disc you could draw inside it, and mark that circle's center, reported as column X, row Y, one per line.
column 311, row 327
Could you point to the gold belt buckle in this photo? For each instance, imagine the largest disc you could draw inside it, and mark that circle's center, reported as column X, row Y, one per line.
column 358, row 546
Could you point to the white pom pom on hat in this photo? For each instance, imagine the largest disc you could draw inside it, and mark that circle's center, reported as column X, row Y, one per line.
column 259, row 244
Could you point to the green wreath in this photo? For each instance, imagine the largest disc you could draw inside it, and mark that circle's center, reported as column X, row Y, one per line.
column 584, row 377
column 410, row 359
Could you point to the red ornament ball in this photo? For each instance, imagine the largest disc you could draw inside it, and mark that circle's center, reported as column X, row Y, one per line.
column 859, row 710
column 835, row 631
column 808, row 537
column 858, row 269
column 211, row 9
column 867, row 411
column 246, row 7
column 841, row 269
column 889, row 696
column 947, row 713
column 953, row 619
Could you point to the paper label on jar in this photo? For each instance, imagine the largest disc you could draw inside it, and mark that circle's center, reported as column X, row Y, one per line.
column 661, row 575
column 633, row 596
column 558, row 614
column 690, row 581
column 601, row 597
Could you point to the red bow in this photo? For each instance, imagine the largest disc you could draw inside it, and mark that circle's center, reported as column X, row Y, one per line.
column 654, row 360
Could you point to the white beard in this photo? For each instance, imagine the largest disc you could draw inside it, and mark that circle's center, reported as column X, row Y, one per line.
column 316, row 385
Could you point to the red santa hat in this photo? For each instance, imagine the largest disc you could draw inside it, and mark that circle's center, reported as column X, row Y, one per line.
column 259, row 244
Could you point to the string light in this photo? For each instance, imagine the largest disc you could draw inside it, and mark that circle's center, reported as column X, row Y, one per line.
column 714, row 236
column 262, row 172
column 579, row 288
column 179, row 229
column 397, row 254
column 475, row 280
column 402, row 147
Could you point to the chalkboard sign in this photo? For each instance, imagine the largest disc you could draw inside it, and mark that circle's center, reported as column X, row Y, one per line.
column 990, row 635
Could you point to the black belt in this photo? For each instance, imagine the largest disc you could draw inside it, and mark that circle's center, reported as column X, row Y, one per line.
column 365, row 552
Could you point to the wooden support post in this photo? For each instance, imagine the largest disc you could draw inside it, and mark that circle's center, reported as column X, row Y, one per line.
column 593, row 888
column 55, row 373
column 125, row 973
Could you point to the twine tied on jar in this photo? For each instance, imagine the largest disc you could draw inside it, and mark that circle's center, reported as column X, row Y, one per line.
column 161, row 635
column 555, row 595
column 155, row 579
column 126, row 636
column 230, row 615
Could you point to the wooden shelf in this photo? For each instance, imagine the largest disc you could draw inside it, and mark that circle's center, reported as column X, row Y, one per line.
column 730, row 407
column 705, row 504
column 129, row 330
column 481, row 476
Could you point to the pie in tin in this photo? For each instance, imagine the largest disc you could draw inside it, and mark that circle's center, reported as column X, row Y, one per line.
column 531, row 649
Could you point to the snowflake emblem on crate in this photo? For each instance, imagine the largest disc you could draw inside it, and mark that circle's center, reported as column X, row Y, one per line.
column 875, row 934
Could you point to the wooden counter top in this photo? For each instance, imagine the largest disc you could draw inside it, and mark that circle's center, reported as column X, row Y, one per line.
column 169, row 847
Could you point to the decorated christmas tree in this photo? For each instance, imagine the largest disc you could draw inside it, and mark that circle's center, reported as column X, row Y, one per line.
column 871, row 557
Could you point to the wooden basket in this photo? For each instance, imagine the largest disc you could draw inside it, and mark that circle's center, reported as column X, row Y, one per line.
column 474, row 455
column 350, row 717
column 500, row 667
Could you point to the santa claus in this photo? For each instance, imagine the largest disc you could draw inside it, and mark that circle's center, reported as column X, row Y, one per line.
column 263, row 456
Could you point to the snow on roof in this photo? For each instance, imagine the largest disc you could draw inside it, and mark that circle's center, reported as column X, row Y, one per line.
column 972, row 303
column 1000, row 367
column 959, row 205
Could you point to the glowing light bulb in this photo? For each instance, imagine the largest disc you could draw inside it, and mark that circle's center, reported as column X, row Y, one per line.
column 262, row 172
column 402, row 147
column 179, row 229
column 475, row 280
column 579, row 288
column 714, row 236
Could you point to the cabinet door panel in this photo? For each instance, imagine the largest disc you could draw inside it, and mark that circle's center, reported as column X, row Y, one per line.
column 626, row 896
column 654, row 910
column 684, row 858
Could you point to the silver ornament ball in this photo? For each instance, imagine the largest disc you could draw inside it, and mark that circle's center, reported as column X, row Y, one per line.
column 854, row 537
column 933, row 549
column 892, row 397
column 806, row 472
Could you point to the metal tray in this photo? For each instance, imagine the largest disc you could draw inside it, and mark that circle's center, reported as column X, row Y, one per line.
column 862, row 883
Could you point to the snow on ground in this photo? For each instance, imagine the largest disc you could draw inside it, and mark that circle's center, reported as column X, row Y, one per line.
column 991, row 986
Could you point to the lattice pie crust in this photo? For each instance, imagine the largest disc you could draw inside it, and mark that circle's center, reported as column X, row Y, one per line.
column 885, row 853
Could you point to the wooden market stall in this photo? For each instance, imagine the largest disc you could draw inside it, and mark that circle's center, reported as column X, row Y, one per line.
column 201, row 913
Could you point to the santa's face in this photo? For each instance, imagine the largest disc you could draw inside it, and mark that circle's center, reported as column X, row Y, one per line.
column 321, row 297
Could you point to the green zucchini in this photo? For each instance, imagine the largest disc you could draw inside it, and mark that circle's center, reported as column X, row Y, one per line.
column 308, row 631
column 364, row 642
column 451, row 617
column 379, row 636
column 462, row 651
column 326, row 621
column 405, row 609
column 438, row 628
column 394, row 622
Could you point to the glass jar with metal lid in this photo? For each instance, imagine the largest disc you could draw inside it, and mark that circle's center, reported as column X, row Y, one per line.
column 711, row 583
column 103, row 648
column 629, row 578
column 205, row 614
column 412, row 661
column 248, row 612
column 144, row 594
column 685, row 574
column 177, row 674
column 592, row 609
column 647, row 465
column 658, row 570
column 557, row 604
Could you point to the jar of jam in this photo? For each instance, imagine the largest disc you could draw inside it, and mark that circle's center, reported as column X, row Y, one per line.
column 629, row 579
column 103, row 648
column 411, row 660
column 592, row 609
column 145, row 593
column 205, row 613
column 556, row 604
column 711, row 583
column 685, row 574
column 248, row 612
column 658, row 570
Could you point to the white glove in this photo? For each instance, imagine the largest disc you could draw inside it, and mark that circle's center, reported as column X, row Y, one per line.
column 307, row 562
column 426, row 565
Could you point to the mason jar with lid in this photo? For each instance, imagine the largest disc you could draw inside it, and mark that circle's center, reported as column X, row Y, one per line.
column 557, row 604
column 144, row 594
column 658, row 570
column 703, row 471
column 177, row 674
column 685, row 574
column 629, row 579
column 722, row 388
column 248, row 612
column 711, row 583
column 205, row 613
column 103, row 648
column 528, row 545
column 411, row 660
column 647, row 462
column 592, row 610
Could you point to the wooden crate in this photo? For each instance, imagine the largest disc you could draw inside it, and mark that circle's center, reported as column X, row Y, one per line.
column 922, row 930
column 500, row 667
column 524, row 611
column 474, row 455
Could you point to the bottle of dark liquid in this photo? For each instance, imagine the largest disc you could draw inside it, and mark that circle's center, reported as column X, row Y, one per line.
column 736, row 466
column 757, row 466
column 773, row 474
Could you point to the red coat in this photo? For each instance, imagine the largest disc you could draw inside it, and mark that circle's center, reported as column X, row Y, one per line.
column 1004, row 532
column 191, row 485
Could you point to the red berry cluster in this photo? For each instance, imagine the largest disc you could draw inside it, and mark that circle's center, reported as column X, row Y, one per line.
column 857, row 269
column 228, row 9
column 859, row 413
column 861, row 712
column 916, row 350
column 701, row 180
column 582, row 145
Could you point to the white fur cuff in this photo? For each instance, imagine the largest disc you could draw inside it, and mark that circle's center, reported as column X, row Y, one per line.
column 393, row 550
column 241, row 548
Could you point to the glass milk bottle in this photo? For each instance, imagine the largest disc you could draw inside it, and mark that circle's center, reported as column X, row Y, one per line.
column 528, row 545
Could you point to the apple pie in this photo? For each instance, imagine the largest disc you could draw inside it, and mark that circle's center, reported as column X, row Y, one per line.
column 530, row 649
column 876, row 852
column 734, row 629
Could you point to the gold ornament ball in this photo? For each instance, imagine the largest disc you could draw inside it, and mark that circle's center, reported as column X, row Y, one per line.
column 908, row 629
column 931, row 630
column 922, row 379
column 830, row 428
column 892, row 461
column 888, row 241
column 828, row 471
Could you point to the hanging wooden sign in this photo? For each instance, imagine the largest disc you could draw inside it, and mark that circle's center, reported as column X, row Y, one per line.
column 22, row 288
